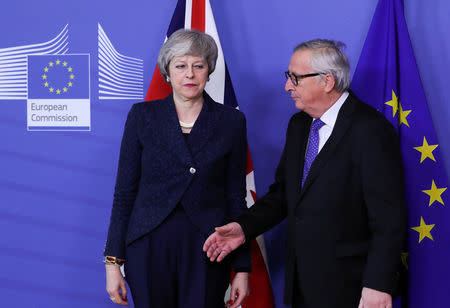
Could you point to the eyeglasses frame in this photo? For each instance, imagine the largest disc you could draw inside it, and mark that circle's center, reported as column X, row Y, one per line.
column 296, row 79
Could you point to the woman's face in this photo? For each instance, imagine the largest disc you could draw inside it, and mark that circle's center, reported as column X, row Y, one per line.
column 188, row 76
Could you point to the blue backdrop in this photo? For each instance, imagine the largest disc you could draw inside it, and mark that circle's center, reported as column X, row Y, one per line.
column 57, row 186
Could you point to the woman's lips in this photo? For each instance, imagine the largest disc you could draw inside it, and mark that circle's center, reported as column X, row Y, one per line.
column 190, row 85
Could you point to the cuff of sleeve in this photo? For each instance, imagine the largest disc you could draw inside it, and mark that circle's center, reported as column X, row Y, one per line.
column 241, row 221
column 242, row 269
column 113, row 260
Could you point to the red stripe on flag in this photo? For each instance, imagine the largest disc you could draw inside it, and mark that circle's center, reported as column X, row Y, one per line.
column 261, row 295
column 253, row 194
column 249, row 161
column 198, row 15
column 260, row 290
column 259, row 278
column 158, row 88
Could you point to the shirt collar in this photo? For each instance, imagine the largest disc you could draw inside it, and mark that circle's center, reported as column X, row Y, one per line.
column 330, row 116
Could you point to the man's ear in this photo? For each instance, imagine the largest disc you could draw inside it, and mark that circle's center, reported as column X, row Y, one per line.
column 329, row 81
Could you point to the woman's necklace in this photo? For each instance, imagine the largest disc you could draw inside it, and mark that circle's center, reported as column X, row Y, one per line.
column 186, row 125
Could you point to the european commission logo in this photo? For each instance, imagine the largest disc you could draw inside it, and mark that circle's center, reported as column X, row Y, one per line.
column 58, row 92
column 56, row 84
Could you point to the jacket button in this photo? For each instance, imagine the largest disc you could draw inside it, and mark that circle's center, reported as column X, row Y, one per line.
column 192, row 170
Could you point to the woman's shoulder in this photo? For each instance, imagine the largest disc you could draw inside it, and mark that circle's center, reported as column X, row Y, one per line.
column 150, row 104
column 143, row 112
column 229, row 112
column 225, row 109
column 147, row 106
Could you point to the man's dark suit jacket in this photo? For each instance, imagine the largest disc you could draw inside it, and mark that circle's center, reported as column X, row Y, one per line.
column 159, row 169
column 345, row 227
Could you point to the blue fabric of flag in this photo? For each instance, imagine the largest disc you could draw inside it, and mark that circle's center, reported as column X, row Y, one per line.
column 177, row 21
column 58, row 77
column 387, row 78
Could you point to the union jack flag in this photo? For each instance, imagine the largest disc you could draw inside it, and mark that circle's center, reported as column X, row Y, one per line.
column 197, row 14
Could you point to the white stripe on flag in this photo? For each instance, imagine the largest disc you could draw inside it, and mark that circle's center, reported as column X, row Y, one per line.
column 188, row 14
column 216, row 85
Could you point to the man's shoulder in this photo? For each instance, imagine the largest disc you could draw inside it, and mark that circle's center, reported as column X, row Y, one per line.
column 299, row 117
column 367, row 118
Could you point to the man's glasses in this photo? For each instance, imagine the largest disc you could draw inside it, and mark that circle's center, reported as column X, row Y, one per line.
column 296, row 78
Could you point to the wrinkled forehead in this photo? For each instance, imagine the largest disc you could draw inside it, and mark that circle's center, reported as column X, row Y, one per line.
column 188, row 58
column 300, row 62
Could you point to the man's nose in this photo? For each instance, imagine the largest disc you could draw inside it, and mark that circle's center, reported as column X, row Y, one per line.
column 289, row 86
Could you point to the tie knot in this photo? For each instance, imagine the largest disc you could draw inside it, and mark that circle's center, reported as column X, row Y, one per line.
column 317, row 124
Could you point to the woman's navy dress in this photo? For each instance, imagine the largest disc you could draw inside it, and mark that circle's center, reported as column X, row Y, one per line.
column 171, row 192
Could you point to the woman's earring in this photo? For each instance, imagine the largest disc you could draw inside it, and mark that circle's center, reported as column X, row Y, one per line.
column 168, row 79
column 207, row 79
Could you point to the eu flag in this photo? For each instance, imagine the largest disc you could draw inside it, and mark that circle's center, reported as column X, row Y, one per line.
column 387, row 78
column 58, row 77
column 58, row 92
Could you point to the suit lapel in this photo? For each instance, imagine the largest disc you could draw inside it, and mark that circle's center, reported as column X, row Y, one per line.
column 171, row 132
column 297, row 151
column 343, row 122
column 204, row 126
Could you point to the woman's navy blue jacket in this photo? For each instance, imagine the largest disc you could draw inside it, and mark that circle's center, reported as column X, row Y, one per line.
column 159, row 168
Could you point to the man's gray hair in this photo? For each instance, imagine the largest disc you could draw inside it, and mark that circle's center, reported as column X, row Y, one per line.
column 187, row 42
column 327, row 57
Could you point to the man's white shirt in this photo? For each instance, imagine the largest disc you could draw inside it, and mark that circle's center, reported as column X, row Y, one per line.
column 329, row 118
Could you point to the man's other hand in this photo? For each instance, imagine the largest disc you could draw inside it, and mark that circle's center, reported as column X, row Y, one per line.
column 371, row 298
column 226, row 239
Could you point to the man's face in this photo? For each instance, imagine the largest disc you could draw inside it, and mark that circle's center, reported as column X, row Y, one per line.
column 308, row 95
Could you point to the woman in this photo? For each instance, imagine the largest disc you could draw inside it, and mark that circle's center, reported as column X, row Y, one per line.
column 181, row 173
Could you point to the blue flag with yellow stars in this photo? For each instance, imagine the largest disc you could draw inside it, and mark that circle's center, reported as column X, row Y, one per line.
column 58, row 92
column 58, row 77
column 387, row 78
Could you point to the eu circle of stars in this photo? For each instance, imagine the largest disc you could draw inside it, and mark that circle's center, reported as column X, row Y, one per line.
column 60, row 68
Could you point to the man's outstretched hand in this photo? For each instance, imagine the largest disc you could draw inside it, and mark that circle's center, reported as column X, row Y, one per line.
column 226, row 239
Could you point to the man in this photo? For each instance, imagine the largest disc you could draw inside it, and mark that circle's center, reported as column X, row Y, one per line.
column 340, row 185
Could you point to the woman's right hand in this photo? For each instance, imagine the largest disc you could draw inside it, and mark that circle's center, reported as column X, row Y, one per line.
column 114, row 283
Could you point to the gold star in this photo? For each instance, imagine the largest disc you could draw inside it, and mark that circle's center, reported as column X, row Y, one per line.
column 50, row 64
column 58, row 61
column 402, row 114
column 435, row 193
column 69, row 69
column 426, row 150
column 404, row 257
column 44, row 77
column 46, row 84
column 72, row 76
column 393, row 103
column 64, row 63
column 58, row 91
column 46, row 69
column 424, row 230
column 65, row 89
column 69, row 83
column 51, row 90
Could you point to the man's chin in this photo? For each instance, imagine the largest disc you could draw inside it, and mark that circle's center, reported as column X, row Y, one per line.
column 299, row 106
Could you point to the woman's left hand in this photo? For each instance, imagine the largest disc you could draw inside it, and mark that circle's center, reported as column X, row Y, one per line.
column 239, row 290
